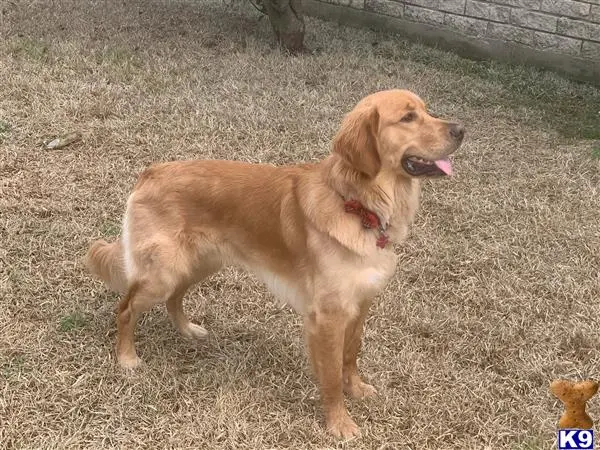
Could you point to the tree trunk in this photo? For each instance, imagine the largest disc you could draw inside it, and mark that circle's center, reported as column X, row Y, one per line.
column 287, row 22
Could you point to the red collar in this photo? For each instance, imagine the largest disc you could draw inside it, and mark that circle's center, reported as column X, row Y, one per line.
column 369, row 220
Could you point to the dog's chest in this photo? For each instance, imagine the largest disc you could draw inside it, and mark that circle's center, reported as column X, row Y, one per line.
column 372, row 274
column 352, row 279
column 284, row 290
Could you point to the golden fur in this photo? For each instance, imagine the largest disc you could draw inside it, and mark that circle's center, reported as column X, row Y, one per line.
column 185, row 220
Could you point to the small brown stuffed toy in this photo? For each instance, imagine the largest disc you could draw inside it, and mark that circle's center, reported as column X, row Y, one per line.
column 574, row 396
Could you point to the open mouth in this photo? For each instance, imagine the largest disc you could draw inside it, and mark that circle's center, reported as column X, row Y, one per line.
column 417, row 167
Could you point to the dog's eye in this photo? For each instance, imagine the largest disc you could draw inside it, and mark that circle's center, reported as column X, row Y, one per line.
column 408, row 117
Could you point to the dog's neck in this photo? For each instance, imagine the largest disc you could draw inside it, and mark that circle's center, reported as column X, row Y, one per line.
column 394, row 198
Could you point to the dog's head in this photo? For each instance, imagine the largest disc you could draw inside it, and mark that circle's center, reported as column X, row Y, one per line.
column 392, row 130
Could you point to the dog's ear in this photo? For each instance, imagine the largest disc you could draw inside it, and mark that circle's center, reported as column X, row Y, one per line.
column 356, row 140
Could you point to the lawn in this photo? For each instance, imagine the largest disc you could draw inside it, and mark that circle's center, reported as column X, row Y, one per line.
column 497, row 290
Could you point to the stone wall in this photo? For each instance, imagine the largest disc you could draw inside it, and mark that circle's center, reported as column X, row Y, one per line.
column 563, row 35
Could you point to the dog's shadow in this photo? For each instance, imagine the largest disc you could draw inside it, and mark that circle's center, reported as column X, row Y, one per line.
column 239, row 352
column 262, row 345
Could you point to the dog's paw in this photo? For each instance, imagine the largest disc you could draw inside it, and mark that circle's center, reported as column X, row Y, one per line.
column 130, row 362
column 360, row 390
column 194, row 331
column 343, row 427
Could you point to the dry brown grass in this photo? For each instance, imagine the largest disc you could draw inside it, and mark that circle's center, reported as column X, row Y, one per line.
column 497, row 293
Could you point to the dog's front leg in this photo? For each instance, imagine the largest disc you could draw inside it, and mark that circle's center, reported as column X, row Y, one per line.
column 325, row 331
column 353, row 384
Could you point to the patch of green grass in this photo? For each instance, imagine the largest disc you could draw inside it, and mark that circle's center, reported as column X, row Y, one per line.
column 531, row 443
column 596, row 151
column 110, row 229
column 72, row 322
column 13, row 366
column 4, row 129
column 117, row 56
column 32, row 48
column 120, row 57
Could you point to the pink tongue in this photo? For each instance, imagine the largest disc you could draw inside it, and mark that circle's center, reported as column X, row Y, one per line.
column 444, row 165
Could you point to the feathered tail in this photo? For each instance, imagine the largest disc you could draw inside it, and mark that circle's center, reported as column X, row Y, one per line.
column 105, row 261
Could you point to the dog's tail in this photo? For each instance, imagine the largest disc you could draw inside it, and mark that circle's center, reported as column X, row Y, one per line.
column 105, row 261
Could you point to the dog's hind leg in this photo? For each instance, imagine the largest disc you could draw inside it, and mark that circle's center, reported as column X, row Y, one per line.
column 187, row 328
column 205, row 264
column 126, row 320
column 141, row 296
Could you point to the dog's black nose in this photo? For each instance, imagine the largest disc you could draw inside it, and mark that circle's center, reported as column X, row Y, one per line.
column 457, row 130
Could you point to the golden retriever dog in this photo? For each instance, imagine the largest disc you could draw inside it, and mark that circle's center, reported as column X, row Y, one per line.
column 319, row 235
